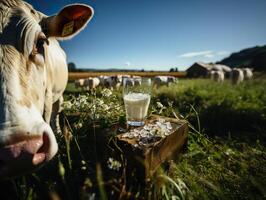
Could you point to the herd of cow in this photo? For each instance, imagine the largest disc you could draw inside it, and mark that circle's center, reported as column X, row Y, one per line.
column 116, row 81
column 236, row 75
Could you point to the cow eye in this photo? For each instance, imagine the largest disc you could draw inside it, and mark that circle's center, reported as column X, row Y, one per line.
column 38, row 47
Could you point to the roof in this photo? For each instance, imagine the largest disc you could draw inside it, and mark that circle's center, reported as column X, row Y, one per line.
column 219, row 67
column 211, row 66
column 201, row 64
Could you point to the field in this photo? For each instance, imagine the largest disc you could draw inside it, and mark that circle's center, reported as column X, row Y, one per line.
column 78, row 75
column 225, row 159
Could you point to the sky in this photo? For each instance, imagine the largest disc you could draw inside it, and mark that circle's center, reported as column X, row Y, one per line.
column 160, row 34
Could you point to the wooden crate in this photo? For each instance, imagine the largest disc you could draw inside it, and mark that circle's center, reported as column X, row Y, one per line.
column 143, row 161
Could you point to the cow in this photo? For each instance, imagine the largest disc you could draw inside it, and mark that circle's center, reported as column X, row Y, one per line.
column 137, row 81
column 102, row 79
column 128, row 82
column 248, row 74
column 217, row 76
column 163, row 80
column 33, row 76
column 113, row 82
column 79, row 83
column 237, row 76
column 90, row 84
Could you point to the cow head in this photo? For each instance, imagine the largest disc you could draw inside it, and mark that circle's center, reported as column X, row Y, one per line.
column 30, row 61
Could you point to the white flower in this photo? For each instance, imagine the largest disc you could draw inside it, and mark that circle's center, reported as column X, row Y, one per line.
column 99, row 102
column 159, row 104
column 114, row 164
column 67, row 105
column 105, row 107
column 106, row 92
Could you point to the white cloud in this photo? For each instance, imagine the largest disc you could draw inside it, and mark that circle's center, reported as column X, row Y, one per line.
column 223, row 53
column 209, row 55
column 196, row 54
column 205, row 54
column 128, row 63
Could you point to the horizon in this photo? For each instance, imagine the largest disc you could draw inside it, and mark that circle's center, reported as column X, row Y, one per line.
column 157, row 35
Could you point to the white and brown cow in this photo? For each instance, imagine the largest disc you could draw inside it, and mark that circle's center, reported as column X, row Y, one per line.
column 217, row 76
column 33, row 76
column 79, row 83
column 90, row 84
column 248, row 74
column 237, row 76
column 113, row 82
column 164, row 80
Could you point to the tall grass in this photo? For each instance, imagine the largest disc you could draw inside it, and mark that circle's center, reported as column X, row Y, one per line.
column 225, row 159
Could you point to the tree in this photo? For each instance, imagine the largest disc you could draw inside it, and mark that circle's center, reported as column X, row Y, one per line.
column 172, row 70
column 176, row 69
column 71, row 67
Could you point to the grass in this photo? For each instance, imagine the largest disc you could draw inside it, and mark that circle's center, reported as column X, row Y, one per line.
column 223, row 109
column 226, row 156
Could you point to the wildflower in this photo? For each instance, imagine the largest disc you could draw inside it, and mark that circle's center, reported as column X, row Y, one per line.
column 106, row 92
column 114, row 164
column 159, row 104
column 98, row 102
column 67, row 105
column 78, row 125
column 229, row 152
column 105, row 107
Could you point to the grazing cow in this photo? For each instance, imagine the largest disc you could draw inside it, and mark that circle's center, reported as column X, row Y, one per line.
column 33, row 76
column 79, row 83
column 237, row 76
column 112, row 82
column 124, row 77
column 137, row 81
column 102, row 80
column 163, row 80
column 132, row 81
column 128, row 82
column 91, row 84
column 172, row 79
column 217, row 76
column 248, row 74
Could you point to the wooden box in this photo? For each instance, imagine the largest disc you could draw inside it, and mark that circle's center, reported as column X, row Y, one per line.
column 143, row 160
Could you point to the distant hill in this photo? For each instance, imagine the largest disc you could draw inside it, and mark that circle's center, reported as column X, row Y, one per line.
column 254, row 57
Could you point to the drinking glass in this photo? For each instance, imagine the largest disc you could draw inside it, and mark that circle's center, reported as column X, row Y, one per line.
column 137, row 96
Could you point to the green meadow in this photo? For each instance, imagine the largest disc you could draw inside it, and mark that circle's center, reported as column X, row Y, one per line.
column 225, row 157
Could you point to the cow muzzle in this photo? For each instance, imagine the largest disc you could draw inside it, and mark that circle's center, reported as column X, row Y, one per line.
column 24, row 151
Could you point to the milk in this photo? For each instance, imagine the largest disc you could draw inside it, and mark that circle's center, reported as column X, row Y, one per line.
column 136, row 105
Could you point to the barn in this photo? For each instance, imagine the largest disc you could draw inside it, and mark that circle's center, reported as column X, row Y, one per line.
column 199, row 69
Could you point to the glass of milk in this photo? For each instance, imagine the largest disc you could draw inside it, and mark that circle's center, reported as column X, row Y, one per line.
column 137, row 96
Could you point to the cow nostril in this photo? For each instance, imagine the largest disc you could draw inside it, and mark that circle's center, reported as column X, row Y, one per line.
column 45, row 146
column 42, row 152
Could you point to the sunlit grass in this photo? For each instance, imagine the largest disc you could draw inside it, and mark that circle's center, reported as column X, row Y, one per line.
column 225, row 159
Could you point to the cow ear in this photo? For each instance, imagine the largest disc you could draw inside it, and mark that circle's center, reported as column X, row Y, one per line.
column 68, row 22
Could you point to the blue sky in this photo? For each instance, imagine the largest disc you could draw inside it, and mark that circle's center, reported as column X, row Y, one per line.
column 159, row 34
